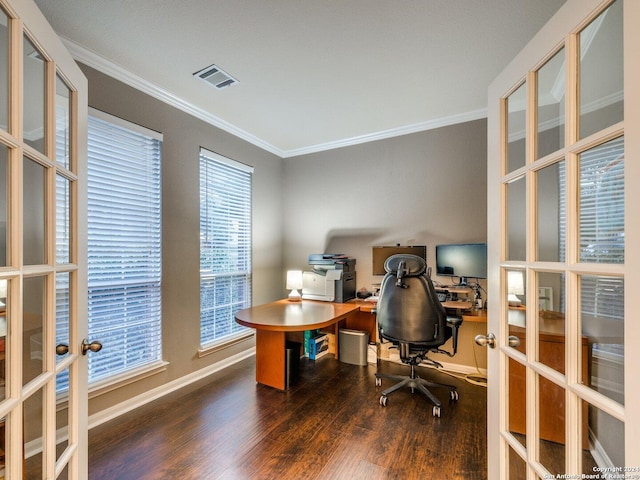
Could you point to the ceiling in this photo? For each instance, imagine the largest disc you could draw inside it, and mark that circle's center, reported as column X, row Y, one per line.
column 313, row 74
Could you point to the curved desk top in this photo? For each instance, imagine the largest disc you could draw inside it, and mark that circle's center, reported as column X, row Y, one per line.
column 286, row 316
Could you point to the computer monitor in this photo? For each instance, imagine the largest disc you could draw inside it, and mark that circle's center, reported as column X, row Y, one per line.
column 380, row 255
column 463, row 260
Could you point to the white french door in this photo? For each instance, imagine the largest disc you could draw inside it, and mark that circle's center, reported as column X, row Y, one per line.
column 43, row 380
column 564, row 249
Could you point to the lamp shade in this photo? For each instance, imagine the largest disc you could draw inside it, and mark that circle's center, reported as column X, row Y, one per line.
column 515, row 286
column 294, row 279
column 294, row 283
column 515, row 282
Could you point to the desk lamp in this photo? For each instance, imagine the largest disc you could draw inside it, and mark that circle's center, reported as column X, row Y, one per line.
column 515, row 286
column 294, row 283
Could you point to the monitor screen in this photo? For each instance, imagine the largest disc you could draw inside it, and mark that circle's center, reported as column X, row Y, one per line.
column 464, row 260
column 380, row 255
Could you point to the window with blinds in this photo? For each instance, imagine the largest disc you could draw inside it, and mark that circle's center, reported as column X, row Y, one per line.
column 225, row 246
column 602, row 203
column 124, row 245
column 601, row 173
column 602, row 225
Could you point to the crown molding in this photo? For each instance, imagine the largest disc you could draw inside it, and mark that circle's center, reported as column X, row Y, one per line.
column 390, row 133
column 93, row 60
column 96, row 61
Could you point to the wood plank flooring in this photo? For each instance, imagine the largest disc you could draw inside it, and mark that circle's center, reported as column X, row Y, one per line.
column 329, row 426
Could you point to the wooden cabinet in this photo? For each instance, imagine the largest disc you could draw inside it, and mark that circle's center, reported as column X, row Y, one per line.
column 551, row 352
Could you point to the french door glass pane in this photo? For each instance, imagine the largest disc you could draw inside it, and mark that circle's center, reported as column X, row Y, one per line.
column 63, row 219
column 517, row 399
column 34, row 96
column 516, row 220
column 62, row 325
column 4, row 287
column 63, row 123
column 516, row 291
column 516, row 123
column 62, row 310
column 3, row 440
column 33, row 430
column 602, row 318
column 551, row 213
column 601, row 96
column 607, row 433
column 4, row 70
column 602, row 203
column 33, row 214
column 551, row 99
column 4, row 171
column 517, row 466
column 551, row 323
column 62, row 417
column 33, row 326
column 551, row 425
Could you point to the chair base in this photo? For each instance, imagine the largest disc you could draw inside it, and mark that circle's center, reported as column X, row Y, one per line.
column 414, row 382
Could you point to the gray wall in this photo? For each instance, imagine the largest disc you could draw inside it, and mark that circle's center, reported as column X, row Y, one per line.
column 424, row 188
column 183, row 137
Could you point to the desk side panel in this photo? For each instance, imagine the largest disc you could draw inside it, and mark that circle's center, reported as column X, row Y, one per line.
column 270, row 358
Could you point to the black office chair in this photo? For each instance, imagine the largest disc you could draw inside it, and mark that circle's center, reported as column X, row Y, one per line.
column 410, row 315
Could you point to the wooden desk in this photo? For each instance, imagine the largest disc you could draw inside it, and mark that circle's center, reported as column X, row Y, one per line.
column 273, row 320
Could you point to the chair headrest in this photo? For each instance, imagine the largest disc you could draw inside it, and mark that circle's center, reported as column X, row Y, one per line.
column 413, row 265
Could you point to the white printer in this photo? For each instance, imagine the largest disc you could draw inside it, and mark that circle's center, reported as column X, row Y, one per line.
column 332, row 278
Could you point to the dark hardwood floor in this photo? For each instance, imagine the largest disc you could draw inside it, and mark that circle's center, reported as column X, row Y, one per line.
column 329, row 426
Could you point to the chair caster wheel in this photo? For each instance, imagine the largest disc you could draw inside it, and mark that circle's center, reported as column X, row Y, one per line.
column 436, row 411
column 453, row 395
column 378, row 382
column 383, row 400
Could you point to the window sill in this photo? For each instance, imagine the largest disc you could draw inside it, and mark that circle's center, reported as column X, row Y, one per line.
column 126, row 378
column 214, row 347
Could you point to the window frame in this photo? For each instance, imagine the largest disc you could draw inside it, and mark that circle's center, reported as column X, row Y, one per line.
column 155, row 361
column 209, row 344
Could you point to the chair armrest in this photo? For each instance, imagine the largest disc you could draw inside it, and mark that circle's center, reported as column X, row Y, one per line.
column 454, row 321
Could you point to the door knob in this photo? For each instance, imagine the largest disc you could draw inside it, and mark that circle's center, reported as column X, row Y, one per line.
column 62, row 349
column 513, row 341
column 93, row 346
column 486, row 340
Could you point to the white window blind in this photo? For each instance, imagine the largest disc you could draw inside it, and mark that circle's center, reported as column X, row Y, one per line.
column 602, row 203
column 602, row 226
column 225, row 246
column 124, row 208
column 602, row 236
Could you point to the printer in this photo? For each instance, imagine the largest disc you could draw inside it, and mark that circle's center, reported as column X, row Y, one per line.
column 332, row 278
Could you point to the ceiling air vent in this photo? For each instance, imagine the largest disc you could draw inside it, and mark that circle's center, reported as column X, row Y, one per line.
column 216, row 76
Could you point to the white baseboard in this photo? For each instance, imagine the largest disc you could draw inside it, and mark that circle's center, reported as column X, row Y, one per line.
column 446, row 366
column 158, row 392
